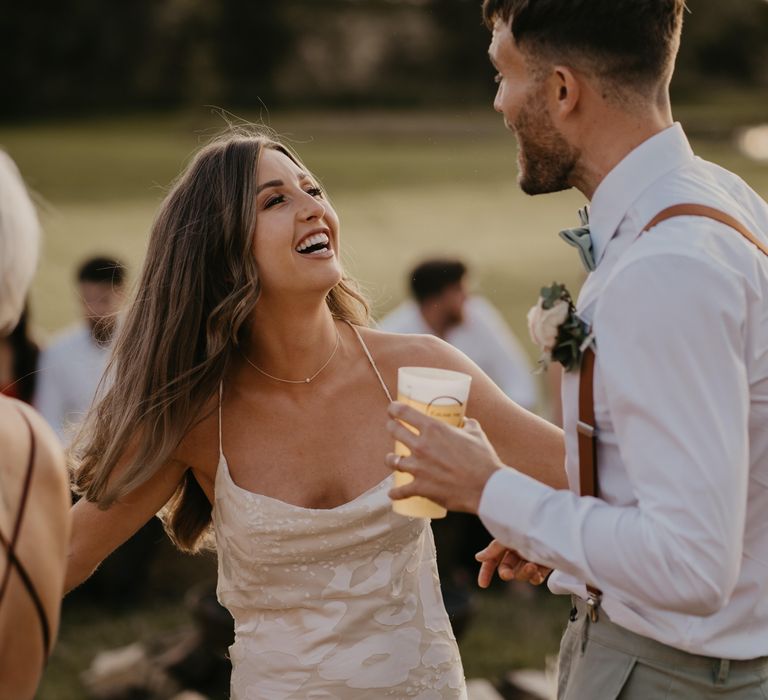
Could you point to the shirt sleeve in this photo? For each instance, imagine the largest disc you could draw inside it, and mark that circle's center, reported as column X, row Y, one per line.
column 670, row 356
column 403, row 319
column 504, row 359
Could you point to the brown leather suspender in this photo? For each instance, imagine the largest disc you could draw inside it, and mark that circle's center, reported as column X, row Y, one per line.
column 586, row 427
column 710, row 213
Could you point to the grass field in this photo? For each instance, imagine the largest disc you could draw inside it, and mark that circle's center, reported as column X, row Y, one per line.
column 406, row 186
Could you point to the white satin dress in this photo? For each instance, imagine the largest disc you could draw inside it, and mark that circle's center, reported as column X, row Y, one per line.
column 334, row 604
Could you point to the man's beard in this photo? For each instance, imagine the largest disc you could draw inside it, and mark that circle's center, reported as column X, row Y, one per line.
column 454, row 318
column 545, row 159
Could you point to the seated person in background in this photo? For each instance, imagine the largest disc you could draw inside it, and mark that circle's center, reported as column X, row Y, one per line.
column 441, row 306
column 72, row 365
column 70, row 370
column 34, row 502
column 18, row 361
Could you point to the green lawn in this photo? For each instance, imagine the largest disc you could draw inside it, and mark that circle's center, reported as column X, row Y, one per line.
column 405, row 186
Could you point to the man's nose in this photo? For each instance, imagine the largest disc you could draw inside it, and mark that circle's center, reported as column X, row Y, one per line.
column 497, row 101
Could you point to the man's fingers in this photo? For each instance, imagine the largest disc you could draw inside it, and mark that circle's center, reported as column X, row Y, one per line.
column 408, row 414
column 472, row 426
column 489, row 558
column 494, row 550
column 485, row 575
column 533, row 573
column 399, row 463
column 400, row 433
column 401, row 492
column 510, row 565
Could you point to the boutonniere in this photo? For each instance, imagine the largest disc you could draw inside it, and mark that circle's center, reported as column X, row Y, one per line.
column 556, row 328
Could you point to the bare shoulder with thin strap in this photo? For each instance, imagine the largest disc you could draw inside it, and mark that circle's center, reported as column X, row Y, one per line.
column 36, row 548
column 371, row 360
column 393, row 350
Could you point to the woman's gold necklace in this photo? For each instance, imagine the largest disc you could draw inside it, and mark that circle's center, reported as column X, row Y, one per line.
column 299, row 381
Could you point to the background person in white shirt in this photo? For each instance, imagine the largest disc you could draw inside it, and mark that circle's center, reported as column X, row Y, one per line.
column 677, row 541
column 442, row 306
column 72, row 365
column 70, row 370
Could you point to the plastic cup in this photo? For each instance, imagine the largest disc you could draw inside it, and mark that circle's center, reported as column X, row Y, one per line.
column 439, row 393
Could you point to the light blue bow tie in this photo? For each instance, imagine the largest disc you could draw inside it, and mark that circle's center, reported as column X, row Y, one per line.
column 580, row 239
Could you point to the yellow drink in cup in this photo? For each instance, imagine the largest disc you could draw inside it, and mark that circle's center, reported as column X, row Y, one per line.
column 439, row 393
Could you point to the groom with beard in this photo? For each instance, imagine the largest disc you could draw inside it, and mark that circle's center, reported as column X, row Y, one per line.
column 662, row 541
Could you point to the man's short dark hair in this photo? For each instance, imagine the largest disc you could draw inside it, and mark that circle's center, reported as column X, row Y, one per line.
column 102, row 269
column 627, row 42
column 431, row 277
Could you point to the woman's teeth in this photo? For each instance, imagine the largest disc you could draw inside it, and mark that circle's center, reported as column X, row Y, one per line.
column 313, row 244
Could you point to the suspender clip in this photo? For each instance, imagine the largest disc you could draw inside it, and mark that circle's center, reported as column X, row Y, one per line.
column 593, row 606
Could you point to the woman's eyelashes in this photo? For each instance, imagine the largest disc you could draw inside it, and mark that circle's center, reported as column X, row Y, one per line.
column 275, row 199
column 313, row 191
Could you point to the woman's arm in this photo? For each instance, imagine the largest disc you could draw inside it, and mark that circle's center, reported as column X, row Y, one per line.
column 521, row 439
column 96, row 533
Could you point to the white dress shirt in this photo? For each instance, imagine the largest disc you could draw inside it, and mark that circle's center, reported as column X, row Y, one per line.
column 69, row 372
column 679, row 542
column 485, row 338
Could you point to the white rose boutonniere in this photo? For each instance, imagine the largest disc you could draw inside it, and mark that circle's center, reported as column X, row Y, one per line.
column 556, row 329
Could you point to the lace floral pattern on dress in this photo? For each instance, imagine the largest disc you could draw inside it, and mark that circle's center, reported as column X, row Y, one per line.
column 341, row 604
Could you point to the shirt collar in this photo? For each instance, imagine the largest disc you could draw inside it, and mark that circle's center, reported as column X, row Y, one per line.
column 658, row 155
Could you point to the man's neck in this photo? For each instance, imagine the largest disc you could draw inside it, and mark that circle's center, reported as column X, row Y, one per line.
column 611, row 139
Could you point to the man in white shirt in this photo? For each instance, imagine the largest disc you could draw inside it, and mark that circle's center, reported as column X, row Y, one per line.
column 677, row 541
column 72, row 365
column 442, row 306
column 71, row 368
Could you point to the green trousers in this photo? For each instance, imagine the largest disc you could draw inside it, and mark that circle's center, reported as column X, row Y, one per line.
column 602, row 661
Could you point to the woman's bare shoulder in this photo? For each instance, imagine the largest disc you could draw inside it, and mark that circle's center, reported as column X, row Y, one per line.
column 199, row 448
column 402, row 349
column 14, row 436
column 49, row 494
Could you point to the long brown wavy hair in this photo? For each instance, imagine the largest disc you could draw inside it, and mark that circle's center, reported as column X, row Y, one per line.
column 188, row 315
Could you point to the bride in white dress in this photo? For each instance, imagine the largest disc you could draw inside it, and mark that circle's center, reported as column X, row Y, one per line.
column 247, row 398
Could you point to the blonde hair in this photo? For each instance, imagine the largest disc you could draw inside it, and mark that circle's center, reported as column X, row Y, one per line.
column 188, row 315
column 19, row 243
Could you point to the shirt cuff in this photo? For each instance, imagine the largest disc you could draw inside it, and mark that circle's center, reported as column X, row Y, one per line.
column 508, row 505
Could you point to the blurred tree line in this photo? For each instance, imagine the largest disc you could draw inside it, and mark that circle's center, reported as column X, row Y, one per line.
column 81, row 56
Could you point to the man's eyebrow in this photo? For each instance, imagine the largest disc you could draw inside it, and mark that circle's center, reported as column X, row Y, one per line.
column 271, row 183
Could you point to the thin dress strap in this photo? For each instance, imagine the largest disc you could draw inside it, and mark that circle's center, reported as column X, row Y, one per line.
column 221, row 393
column 370, row 359
column 10, row 547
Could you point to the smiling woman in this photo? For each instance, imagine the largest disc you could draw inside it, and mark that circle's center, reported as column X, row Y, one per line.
column 247, row 397
column 287, row 193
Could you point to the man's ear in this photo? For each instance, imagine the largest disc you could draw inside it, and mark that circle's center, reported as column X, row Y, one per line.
column 565, row 92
